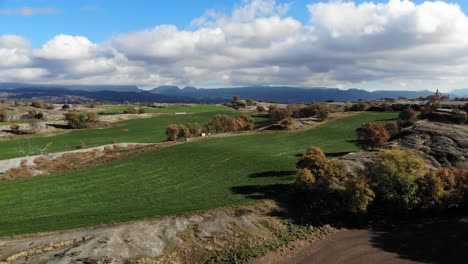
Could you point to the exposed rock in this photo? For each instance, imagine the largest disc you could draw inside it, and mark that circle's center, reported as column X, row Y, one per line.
column 442, row 144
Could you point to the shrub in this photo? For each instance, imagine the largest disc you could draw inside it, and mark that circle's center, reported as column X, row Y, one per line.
column 15, row 128
column 3, row 115
column 430, row 189
column 261, row 108
column 65, row 106
column 358, row 195
column 130, row 110
column 195, row 129
column 39, row 104
column 361, row 106
column 407, row 117
column 184, row 131
column 320, row 110
column 371, row 135
column 172, row 132
column 393, row 129
column 305, row 180
column 394, row 177
column 250, row 102
column 245, row 122
column 277, row 114
column 92, row 117
column 141, row 110
column 76, row 119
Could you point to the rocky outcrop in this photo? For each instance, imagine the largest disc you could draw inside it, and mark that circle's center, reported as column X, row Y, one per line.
column 442, row 144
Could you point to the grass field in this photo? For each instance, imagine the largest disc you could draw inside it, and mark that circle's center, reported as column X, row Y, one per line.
column 192, row 176
column 136, row 130
column 171, row 109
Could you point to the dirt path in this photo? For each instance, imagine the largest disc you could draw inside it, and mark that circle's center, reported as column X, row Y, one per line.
column 350, row 247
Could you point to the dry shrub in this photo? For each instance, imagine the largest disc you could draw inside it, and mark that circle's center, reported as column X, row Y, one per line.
column 22, row 171
column 372, row 135
column 82, row 145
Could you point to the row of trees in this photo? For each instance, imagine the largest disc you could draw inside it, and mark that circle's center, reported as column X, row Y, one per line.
column 218, row 124
column 319, row 110
column 395, row 181
column 77, row 119
column 224, row 123
column 178, row 131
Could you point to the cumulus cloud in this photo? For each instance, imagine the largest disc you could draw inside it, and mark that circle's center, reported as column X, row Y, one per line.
column 29, row 11
column 398, row 44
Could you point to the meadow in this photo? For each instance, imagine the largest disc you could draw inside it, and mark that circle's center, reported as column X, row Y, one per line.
column 192, row 176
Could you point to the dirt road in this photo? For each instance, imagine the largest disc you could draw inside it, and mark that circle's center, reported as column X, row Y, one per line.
column 350, row 247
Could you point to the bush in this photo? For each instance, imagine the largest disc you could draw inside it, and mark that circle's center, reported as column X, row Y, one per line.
column 3, row 115
column 430, row 190
column 65, row 106
column 394, row 176
column 177, row 131
column 320, row 110
column 277, row 114
column 261, row 108
column 250, row 102
column 92, row 117
column 358, row 195
column 76, row 119
column 326, row 172
column 130, row 110
column 305, row 180
column 372, row 135
column 407, row 117
column 141, row 110
column 224, row 123
column 172, row 132
column 393, row 129
column 15, row 128
column 361, row 106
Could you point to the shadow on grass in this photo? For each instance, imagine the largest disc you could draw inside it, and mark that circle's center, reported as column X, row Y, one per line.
column 272, row 174
column 386, row 119
column 336, row 154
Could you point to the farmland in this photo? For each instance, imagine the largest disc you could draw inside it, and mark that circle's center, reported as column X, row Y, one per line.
column 187, row 177
column 137, row 130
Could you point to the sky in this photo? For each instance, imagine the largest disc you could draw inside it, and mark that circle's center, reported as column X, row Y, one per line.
column 374, row 45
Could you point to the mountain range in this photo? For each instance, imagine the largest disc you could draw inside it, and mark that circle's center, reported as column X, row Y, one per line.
column 170, row 94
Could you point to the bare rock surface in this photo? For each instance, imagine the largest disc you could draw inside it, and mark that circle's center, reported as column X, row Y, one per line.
column 446, row 145
column 117, row 244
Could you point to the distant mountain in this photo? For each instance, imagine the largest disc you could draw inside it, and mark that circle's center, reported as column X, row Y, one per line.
column 116, row 88
column 460, row 92
column 60, row 95
column 285, row 94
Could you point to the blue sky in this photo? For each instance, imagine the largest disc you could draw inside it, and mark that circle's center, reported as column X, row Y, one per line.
column 384, row 44
column 99, row 20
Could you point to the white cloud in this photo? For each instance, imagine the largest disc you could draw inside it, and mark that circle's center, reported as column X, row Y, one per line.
column 398, row 44
column 29, row 11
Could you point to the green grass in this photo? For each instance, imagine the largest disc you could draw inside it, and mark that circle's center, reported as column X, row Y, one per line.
column 193, row 176
column 171, row 109
column 137, row 130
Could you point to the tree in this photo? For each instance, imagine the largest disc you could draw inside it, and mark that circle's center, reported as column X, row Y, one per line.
column 326, row 172
column 3, row 115
column 172, row 132
column 76, row 119
column 184, row 131
column 394, row 176
column 372, row 135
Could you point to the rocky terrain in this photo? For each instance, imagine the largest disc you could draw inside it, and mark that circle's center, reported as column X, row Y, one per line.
column 438, row 144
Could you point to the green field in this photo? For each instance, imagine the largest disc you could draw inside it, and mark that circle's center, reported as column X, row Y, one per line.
column 171, row 109
column 137, row 130
column 192, row 176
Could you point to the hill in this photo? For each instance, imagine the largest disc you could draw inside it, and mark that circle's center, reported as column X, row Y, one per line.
column 285, row 94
